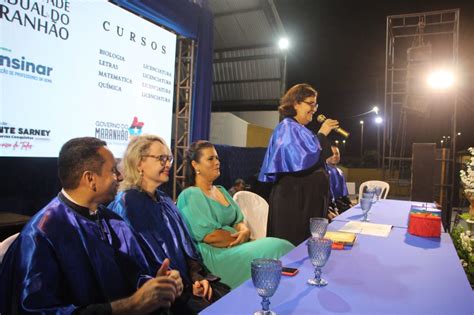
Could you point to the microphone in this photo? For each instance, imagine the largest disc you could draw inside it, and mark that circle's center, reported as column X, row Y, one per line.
column 321, row 118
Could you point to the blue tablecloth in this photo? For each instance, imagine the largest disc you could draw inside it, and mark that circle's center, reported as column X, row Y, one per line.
column 400, row 274
column 385, row 211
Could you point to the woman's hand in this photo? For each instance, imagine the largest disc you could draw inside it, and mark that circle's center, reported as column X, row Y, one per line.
column 332, row 214
column 203, row 289
column 240, row 237
column 219, row 238
column 328, row 126
column 223, row 238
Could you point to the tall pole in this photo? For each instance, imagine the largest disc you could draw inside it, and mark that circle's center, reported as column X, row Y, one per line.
column 378, row 145
column 283, row 75
column 361, row 139
column 455, row 127
column 449, row 211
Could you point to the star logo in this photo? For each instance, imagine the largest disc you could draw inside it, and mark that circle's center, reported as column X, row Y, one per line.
column 136, row 127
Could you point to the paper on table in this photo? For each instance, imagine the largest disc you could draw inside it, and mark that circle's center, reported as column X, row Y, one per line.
column 382, row 230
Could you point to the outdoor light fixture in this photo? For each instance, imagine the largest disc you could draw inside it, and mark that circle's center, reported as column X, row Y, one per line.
column 361, row 122
column 375, row 110
column 337, row 142
column 283, row 43
column 378, row 120
column 344, row 141
column 459, row 133
column 441, row 79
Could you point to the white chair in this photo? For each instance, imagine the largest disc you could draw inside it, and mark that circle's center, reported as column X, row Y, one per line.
column 351, row 190
column 255, row 210
column 373, row 183
column 5, row 244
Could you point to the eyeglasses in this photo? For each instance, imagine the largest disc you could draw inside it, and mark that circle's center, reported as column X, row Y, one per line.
column 312, row 104
column 161, row 158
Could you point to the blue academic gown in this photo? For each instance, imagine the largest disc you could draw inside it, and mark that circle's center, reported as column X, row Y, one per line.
column 338, row 187
column 160, row 226
column 292, row 148
column 63, row 260
column 295, row 163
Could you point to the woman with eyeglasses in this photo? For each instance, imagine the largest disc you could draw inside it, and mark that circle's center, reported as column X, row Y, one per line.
column 295, row 164
column 216, row 221
column 154, row 216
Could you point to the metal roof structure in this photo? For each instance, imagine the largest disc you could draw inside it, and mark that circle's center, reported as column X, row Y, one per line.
column 249, row 69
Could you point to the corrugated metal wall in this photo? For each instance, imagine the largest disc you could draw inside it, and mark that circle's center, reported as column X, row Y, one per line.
column 248, row 65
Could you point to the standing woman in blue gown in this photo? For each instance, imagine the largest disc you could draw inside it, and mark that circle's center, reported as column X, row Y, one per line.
column 153, row 215
column 295, row 164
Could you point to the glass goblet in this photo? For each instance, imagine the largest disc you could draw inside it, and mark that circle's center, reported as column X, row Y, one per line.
column 318, row 227
column 369, row 195
column 378, row 192
column 319, row 250
column 365, row 204
column 266, row 274
column 370, row 189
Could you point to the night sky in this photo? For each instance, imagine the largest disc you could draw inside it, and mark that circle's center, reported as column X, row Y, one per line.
column 338, row 46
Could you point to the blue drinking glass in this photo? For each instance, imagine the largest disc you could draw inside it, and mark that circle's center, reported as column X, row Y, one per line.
column 318, row 226
column 319, row 250
column 365, row 204
column 266, row 274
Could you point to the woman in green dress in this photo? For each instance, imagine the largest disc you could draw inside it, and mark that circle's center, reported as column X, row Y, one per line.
column 216, row 221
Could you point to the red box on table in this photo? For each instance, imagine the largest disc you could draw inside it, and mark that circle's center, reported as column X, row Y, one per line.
column 424, row 223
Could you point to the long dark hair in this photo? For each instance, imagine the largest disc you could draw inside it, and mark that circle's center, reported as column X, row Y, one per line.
column 194, row 153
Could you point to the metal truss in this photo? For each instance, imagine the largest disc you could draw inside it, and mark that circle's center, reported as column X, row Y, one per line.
column 183, row 108
column 408, row 53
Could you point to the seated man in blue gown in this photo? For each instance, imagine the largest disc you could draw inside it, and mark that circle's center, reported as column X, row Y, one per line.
column 339, row 196
column 77, row 257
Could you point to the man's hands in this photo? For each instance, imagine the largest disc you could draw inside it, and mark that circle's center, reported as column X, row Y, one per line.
column 203, row 289
column 328, row 126
column 174, row 274
column 158, row 292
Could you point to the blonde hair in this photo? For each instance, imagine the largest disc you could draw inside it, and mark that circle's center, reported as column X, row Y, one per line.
column 136, row 149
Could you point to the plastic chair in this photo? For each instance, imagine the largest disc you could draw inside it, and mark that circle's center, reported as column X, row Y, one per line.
column 372, row 183
column 255, row 211
column 5, row 244
column 351, row 190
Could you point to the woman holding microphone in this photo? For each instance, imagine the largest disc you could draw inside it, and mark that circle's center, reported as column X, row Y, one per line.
column 295, row 163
